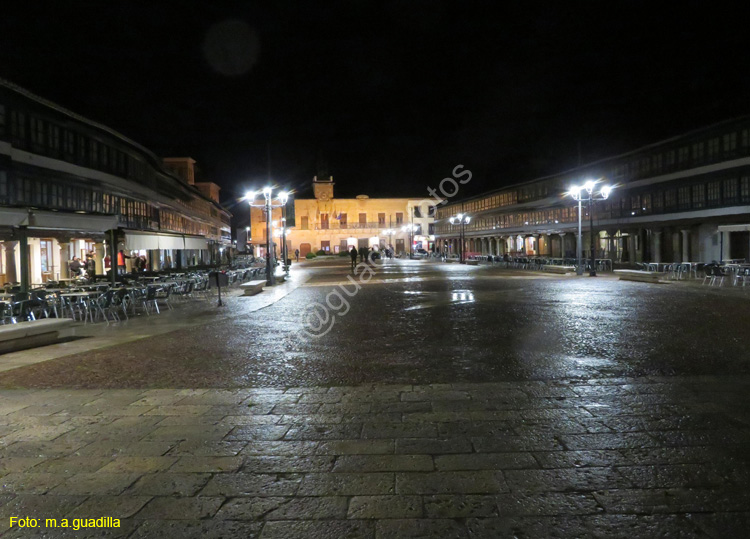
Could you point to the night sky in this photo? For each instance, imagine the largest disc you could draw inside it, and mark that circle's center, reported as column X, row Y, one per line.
column 387, row 96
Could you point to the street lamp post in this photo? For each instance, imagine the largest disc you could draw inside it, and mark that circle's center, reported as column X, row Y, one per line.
column 270, row 270
column 586, row 193
column 268, row 206
column 410, row 230
column 462, row 220
column 283, row 198
column 389, row 232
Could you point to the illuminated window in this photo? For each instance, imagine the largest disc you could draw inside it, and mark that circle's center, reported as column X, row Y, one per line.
column 730, row 191
column 699, row 196
column 646, row 201
column 713, row 193
column 683, row 197
column 745, row 188
column 670, row 199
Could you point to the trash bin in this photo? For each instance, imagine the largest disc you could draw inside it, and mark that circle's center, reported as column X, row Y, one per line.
column 218, row 278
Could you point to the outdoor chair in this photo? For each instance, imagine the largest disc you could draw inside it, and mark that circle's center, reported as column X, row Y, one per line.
column 6, row 313
column 104, row 305
column 27, row 310
column 120, row 300
column 163, row 295
column 742, row 276
column 717, row 276
column 149, row 300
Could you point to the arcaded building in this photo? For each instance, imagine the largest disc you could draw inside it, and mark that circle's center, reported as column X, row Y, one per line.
column 70, row 186
column 685, row 199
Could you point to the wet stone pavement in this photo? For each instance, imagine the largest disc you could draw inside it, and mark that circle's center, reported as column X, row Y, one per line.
column 511, row 417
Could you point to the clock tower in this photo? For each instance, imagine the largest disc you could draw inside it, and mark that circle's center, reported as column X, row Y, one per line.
column 323, row 188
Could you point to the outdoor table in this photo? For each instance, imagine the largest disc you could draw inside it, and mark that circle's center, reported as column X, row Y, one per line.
column 76, row 294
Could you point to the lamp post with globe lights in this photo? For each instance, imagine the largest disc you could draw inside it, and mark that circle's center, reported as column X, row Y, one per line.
column 410, row 229
column 462, row 220
column 389, row 232
column 585, row 193
column 268, row 205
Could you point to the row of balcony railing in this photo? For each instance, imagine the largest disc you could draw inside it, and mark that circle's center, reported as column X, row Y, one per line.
column 336, row 225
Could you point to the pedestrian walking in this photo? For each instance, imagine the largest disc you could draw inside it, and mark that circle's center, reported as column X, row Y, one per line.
column 353, row 255
column 363, row 253
column 296, row 255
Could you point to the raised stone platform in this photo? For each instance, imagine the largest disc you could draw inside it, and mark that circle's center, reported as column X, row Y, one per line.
column 251, row 288
column 559, row 269
column 32, row 334
column 640, row 276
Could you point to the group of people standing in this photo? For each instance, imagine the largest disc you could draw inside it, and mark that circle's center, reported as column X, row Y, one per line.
column 364, row 253
column 87, row 268
column 83, row 268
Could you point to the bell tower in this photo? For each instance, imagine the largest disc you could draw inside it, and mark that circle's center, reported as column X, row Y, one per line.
column 323, row 188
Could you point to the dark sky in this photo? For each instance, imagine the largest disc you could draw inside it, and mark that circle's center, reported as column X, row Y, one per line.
column 389, row 96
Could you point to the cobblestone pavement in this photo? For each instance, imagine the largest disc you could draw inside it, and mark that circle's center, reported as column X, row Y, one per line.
column 641, row 457
column 430, row 323
column 449, row 402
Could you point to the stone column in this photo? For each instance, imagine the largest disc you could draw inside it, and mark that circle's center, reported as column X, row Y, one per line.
column 726, row 244
column 685, row 245
column 11, row 275
column 24, row 276
column 99, row 257
column 64, row 259
column 631, row 248
column 561, row 252
column 656, row 245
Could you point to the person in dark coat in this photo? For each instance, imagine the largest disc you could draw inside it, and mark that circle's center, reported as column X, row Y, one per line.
column 363, row 254
column 75, row 267
column 353, row 255
column 90, row 266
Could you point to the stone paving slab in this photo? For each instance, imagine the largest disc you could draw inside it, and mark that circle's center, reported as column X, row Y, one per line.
column 570, row 458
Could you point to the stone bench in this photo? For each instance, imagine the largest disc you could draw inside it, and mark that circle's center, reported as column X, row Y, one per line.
column 559, row 269
column 251, row 288
column 472, row 262
column 640, row 276
column 34, row 333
